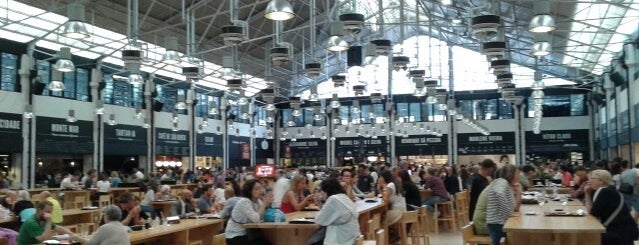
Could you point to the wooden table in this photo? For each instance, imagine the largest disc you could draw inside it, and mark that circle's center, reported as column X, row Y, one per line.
column 188, row 230
column 298, row 234
column 79, row 216
column 164, row 206
column 560, row 190
column 523, row 229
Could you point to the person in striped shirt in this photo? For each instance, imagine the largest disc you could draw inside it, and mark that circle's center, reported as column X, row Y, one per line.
column 503, row 199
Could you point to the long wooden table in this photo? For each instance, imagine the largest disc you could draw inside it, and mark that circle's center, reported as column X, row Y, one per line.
column 298, row 234
column 70, row 217
column 187, row 231
column 526, row 229
column 164, row 206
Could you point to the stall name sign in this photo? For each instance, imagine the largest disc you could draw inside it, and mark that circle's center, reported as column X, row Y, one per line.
column 485, row 138
column 564, row 136
column 169, row 136
column 356, row 142
column 125, row 133
column 420, row 140
column 304, row 144
column 9, row 124
column 64, row 128
column 209, row 139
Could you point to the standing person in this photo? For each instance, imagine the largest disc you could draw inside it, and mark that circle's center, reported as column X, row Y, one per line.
column 90, row 178
column 479, row 182
column 374, row 175
column 282, row 185
column 604, row 202
column 365, row 182
column 502, row 201
column 249, row 209
column 338, row 214
column 112, row 232
column 40, row 227
column 464, row 175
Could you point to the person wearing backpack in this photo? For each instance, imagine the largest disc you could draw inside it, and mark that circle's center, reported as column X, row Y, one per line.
column 628, row 186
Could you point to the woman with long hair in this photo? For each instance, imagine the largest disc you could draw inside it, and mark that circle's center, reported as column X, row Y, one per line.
column 392, row 193
column 294, row 199
column 338, row 214
column 249, row 209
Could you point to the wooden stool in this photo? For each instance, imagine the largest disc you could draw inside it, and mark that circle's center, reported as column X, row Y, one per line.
column 359, row 240
column 219, row 239
column 461, row 205
column 374, row 224
column 380, row 237
column 412, row 218
column 470, row 238
column 424, row 223
column 447, row 215
column 198, row 242
column 104, row 200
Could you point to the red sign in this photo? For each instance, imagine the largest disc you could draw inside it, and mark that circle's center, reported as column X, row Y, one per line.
column 265, row 171
column 246, row 151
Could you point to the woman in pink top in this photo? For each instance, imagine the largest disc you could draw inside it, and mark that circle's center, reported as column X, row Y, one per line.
column 294, row 199
column 566, row 175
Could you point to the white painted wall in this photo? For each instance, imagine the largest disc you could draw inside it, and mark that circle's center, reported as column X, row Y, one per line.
column 11, row 102
column 505, row 125
column 59, row 108
column 559, row 123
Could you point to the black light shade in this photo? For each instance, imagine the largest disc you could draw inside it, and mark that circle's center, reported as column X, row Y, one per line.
column 354, row 56
column 157, row 105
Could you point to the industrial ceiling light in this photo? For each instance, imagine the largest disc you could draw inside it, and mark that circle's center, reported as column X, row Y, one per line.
column 112, row 121
column 353, row 22
column 180, row 105
column 494, row 50
column 56, row 84
column 485, row 27
column 313, row 69
column 135, row 79
column 382, row 46
column 335, row 42
column 171, row 55
column 542, row 46
column 64, row 63
column 542, row 21
column 132, row 61
column 338, row 80
column 71, row 116
column 213, row 108
column 447, row 2
column 335, row 102
column 146, row 123
column 279, row 10
column 313, row 96
column 75, row 27
column 280, row 55
column 99, row 107
column 233, row 35
column 400, row 62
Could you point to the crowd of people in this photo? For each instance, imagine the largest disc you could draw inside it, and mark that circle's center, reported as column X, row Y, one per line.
column 609, row 191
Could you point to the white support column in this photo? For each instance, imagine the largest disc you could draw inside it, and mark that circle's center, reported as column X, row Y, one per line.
column 98, row 129
column 190, row 96
column 522, row 133
column 150, row 132
column 27, row 163
column 518, row 135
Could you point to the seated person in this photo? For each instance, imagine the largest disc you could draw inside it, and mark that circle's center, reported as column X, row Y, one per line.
column 433, row 182
column 56, row 214
column 112, row 232
column 9, row 199
column 294, row 199
column 183, row 207
column 70, row 182
column 205, row 203
column 231, row 200
column 40, row 227
column 131, row 212
column 24, row 207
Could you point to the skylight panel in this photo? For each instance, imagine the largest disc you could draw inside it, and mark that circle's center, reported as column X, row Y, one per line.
column 13, row 36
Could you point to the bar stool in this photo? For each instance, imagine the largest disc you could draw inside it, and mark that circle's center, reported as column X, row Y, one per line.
column 359, row 240
column 424, row 217
column 104, row 200
column 374, row 224
column 461, row 205
column 409, row 218
column 447, row 215
column 470, row 238
column 219, row 239
column 380, row 237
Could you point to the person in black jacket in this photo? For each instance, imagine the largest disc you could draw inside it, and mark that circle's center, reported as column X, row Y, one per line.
column 602, row 201
column 411, row 192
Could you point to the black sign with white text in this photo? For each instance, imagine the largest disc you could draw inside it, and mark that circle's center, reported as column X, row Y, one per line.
column 420, row 145
column 209, row 144
column 10, row 132
column 360, row 146
column 557, row 141
column 56, row 135
column 125, row 140
column 479, row 144
column 171, row 143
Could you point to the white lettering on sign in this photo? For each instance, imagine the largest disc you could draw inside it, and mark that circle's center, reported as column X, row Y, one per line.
column 565, row 136
column 420, row 140
column 9, row 124
column 170, row 136
column 304, row 144
column 485, row 138
column 209, row 139
column 125, row 133
column 64, row 128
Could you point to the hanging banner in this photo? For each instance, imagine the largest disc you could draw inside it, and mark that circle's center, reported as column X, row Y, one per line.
column 171, row 143
column 125, row 140
column 421, row 145
column 56, row 136
column 557, row 141
column 10, row 132
column 479, row 144
column 209, row 144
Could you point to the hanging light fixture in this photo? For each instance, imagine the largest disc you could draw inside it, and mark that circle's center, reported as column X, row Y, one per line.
column 71, row 116
column 542, row 21
column 228, row 68
column 146, row 124
column 75, row 27
column 99, row 107
column 138, row 113
column 336, row 42
column 56, row 84
column 135, row 79
column 64, row 63
column 112, row 121
column 279, row 10
column 171, row 55
column 542, row 46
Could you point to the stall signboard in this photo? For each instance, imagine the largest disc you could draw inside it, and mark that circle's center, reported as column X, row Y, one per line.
column 557, row 141
column 421, row 145
column 10, row 132
column 124, row 140
column 263, row 149
column 479, row 144
column 171, row 143
column 304, row 148
column 265, row 170
column 360, row 147
column 239, row 151
column 57, row 136
column 209, row 144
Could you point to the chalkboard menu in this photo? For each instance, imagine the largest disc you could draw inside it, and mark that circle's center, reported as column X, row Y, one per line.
column 557, row 141
column 171, row 143
column 125, row 140
column 360, row 146
column 479, row 144
column 56, row 135
column 420, row 145
column 303, row 148
column 209, row 144
column 10, row 132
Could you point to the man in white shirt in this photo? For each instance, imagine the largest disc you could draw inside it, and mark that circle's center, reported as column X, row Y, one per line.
column 281, row 187
column 69, row 182
column 138, row 174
